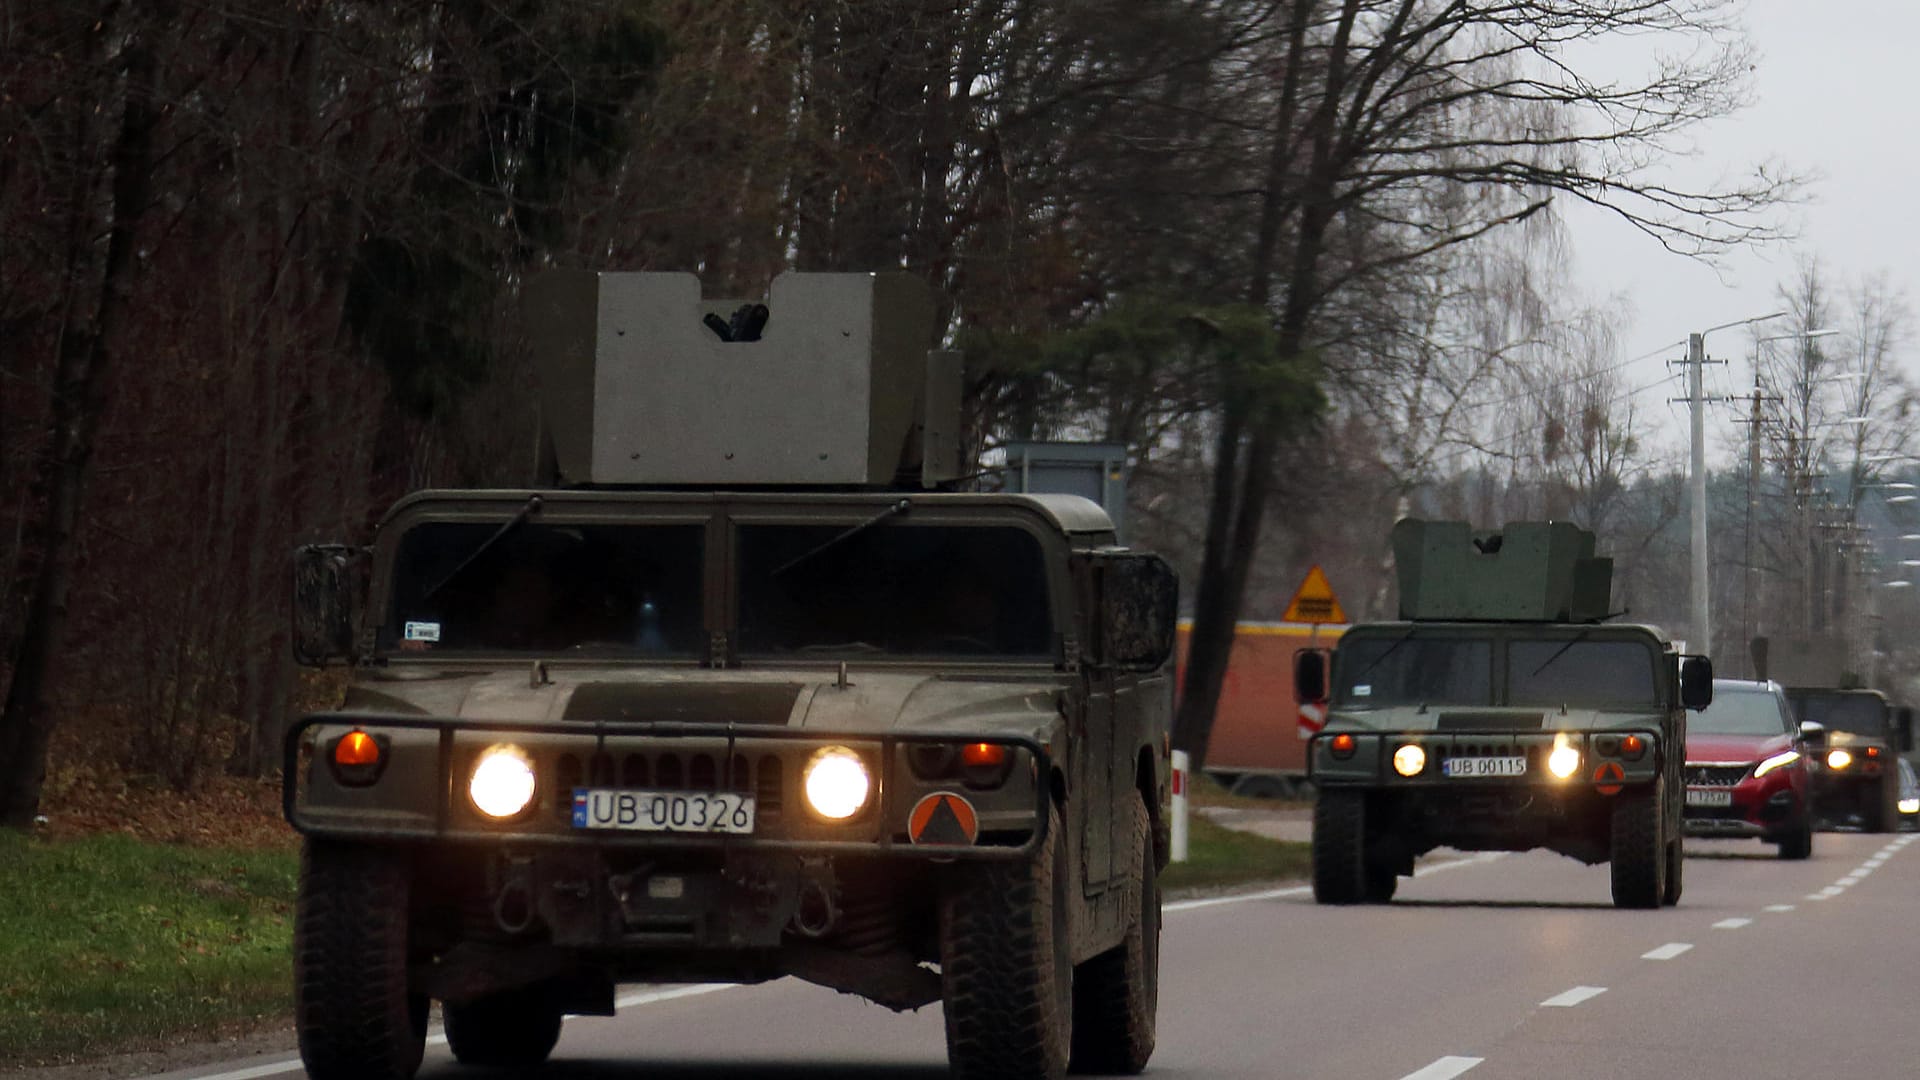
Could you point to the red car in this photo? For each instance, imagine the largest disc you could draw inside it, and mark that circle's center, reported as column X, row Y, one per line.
column 1747, row 768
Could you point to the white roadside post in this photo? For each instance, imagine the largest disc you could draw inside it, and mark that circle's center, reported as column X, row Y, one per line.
column 1179, row 806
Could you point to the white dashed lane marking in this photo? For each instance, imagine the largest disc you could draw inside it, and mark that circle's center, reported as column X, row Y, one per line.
column 1667, row 951
column 1778, row 907
column 1444, row 1069
column 1731, row 924
column 1573, row 997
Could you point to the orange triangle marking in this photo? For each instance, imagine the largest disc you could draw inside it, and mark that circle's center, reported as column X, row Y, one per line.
column 943, row 818
column 1314, row 601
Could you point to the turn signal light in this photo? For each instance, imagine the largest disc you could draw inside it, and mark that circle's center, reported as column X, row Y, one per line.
column 356, row 749
column 1632, row 746
column 1342, row 745
column 983, row 755
column 1873, row 751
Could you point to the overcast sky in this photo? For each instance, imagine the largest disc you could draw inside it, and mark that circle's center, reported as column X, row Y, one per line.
column 1833, row 93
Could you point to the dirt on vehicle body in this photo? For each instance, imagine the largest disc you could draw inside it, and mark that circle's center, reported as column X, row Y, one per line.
column 824, row 717
column 1500, row 714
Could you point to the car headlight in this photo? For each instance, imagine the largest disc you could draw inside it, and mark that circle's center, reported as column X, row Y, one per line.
column 502, row 783
column 836, row 783
column 1910, row 806
column 1839, row 759
column 1784, row 757
column 1409, row 760
column 1565, row 760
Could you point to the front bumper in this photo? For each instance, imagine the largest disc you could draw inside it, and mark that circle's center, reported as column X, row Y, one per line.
column 1602, row 767
column 420, row 791
column 1761, row 807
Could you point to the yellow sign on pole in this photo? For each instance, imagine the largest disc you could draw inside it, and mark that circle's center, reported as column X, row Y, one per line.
column 1315, row 602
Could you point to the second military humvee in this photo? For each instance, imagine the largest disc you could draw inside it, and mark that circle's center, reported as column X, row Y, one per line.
column 755, row 693
column 1501, row 713
column 1856, row 737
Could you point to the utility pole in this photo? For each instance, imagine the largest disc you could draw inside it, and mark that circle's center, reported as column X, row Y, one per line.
column 1696, row 362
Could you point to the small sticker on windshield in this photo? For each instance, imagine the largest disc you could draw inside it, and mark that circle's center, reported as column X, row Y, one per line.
column 1363, row 690
column 423, row 631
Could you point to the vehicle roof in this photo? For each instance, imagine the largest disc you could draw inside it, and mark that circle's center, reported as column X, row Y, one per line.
column 1071, row 514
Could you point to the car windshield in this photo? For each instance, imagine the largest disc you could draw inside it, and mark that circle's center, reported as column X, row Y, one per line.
column 1569, row 671
column 1408, row 669
column 1860, row 714
column 545, row 588
column 895, row 588
column 1740, row 712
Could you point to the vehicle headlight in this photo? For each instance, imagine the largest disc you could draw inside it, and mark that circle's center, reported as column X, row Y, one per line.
column 1784, row 757
column 1564, row 761
column 837, row 783
column 1839, row 759
column 503, row 782
column 1910, row 806
column 1409, row 760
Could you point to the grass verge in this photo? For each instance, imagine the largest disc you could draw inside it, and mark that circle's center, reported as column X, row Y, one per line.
column 1217, row 855
column 112, row 942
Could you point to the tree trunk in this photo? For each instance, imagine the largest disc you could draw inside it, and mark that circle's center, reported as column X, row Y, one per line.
column 79, row 391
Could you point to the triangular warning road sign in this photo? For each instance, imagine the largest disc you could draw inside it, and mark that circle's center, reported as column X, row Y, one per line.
column 1314, row 602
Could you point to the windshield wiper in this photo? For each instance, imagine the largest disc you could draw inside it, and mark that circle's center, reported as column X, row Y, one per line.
column 1561, row 651
column 519, row 519
column 1397, row 642
column 894, row 510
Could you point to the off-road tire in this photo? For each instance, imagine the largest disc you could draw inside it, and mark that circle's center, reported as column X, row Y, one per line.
column 1676, row 872
column 1638, row 854
column 1381, row 884
column 1006, row 965
column 1798, row 842
column 1340, row 846
column 514, row 1029
column 1885, row 816
column 353, row 1009
column 1116, row 994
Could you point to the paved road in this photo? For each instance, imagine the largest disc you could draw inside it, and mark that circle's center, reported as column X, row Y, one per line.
column 1508, row 967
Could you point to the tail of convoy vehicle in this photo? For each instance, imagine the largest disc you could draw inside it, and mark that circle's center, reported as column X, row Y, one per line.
column 755, row 691
column 1854, row 734
column 1500, row 713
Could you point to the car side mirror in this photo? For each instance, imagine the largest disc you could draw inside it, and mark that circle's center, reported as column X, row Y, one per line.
column 1696, row 682
column 1813, row 733
column 1139, row 610
column 323, row 603
column 1310, row 676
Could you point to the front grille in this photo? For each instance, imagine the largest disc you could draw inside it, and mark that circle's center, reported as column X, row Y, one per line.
column 1491, row 749
column 1480, row 721
column 669, row 770
column 1716, row 775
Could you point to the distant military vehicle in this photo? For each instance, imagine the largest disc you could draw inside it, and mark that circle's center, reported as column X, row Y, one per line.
column 1856, row 737
column 1501, row 713
column 753, row 691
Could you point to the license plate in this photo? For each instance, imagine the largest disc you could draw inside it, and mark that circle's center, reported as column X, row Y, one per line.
column 1486, row 766
column 1708, row 797
column 662, row 811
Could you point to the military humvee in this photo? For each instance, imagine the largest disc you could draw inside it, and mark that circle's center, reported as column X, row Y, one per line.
column 1856, row 738
column 754, row 692
column 1500, row 714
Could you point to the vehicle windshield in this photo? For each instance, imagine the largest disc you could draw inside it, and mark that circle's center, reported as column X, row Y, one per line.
column 1379, row 672
column 546, row 588
column 896, row 588
column 1740, row 712
column 1860, row 714
column 1568, row 671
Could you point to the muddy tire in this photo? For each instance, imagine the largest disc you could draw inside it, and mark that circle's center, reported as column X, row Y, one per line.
column 515, row 1029
column 1339, row 847
column 1116, row 994
column 1676, row 872
column 353, row 1009
column 1639, row 851
column 1006, row 965
column 1798, row 842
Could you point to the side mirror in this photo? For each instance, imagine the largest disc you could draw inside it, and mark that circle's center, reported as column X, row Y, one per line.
column 1696, row 682
column 1310, row 676
column 1139, row 610
column 323, row 604
column 1813, row 733
column 1903, row 728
